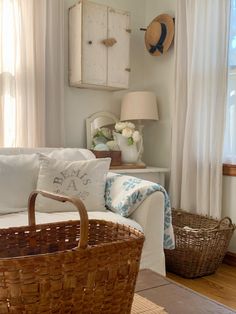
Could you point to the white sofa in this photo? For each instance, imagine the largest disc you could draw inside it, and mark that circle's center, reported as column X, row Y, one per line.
column 148, row 217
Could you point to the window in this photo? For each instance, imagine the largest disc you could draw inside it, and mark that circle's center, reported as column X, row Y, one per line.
column 8, row 60
column 230, row 134
column 31, row 38
column 232, row 39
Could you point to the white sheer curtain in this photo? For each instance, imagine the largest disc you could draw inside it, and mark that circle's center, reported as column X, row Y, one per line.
column 28, row 84
column 200, row 101
column 230, row 132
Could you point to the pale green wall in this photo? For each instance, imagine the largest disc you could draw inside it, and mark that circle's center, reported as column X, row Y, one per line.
column 159, row 77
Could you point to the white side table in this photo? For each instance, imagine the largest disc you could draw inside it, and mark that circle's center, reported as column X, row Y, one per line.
column 153, row 174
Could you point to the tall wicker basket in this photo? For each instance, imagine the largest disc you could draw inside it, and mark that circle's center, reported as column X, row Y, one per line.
column 200, row 244
column 43, row 269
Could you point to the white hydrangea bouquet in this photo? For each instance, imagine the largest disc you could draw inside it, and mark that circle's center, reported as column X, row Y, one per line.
column 129, row 140
column 127, row 130
column 124, row 140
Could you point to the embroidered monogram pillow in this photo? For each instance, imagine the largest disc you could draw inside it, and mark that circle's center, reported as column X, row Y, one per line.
column 85, row 179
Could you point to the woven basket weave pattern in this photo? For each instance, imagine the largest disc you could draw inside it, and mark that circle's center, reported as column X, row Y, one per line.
column 199, row 251
column 42, row 270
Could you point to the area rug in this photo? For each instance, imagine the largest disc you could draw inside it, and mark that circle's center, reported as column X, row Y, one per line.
column 142, row 305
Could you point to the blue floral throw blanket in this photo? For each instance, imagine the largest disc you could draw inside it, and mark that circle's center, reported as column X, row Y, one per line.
column 125, row 193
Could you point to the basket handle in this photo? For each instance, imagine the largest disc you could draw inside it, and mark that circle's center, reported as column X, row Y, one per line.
column 225, row 219
column 83, row 242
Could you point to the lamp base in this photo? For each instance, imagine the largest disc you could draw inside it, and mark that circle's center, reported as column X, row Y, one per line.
column 141, row 163
column 140, row 127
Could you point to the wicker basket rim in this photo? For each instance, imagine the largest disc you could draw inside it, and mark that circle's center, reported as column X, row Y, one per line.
column 40, row 227
column 203, row 230
column 216, row 228
column 70, row 222
column 89, row 247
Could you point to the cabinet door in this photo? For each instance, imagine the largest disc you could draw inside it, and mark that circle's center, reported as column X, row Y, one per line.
column 94, row 53
column 118, row 55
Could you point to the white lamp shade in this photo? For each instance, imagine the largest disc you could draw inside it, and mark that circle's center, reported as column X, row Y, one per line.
column 139, row 106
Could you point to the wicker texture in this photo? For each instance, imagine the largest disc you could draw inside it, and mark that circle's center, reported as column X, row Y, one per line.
column 43, row 269
column 200, row 250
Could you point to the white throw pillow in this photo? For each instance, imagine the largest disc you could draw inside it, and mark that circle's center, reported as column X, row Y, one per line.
column 71, row 154
column 85, row 179
column 18, row 178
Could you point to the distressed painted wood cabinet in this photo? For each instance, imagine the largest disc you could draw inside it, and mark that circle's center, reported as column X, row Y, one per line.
column 99, row 46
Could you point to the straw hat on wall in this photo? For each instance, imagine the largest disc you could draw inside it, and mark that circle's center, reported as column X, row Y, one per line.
column 159, row 34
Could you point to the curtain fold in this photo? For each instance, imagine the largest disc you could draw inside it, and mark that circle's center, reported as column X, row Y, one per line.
column 25, row 29
column 55, row 74
column 200, row 102
column 30, row 73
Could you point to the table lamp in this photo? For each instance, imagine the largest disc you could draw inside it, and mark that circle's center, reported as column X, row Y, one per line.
column 139, row 106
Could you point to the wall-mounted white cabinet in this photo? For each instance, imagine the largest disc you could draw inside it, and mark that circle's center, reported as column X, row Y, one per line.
column 99, row 46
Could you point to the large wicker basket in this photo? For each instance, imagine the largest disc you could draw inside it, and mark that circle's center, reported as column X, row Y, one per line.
column 200, row 244
column 43, row 269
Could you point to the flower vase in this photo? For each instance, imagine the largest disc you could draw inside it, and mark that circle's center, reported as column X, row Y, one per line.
column 129, row 153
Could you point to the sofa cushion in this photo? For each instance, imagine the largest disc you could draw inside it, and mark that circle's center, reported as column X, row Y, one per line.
column 18, row 177
column 85, row 179
column 21, row 219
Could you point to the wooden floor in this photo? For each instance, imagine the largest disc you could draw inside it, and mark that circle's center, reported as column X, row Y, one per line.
column 174, row 297
column 220, row 286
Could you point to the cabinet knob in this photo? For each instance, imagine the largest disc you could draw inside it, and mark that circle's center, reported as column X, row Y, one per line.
column 109, row 42
column 128, row 69
column 90, row 42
